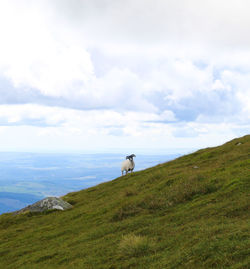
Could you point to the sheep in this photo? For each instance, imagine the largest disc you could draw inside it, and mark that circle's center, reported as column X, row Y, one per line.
column 128, row 164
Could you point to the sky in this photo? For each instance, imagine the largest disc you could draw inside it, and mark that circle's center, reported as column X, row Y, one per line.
column 110, row 75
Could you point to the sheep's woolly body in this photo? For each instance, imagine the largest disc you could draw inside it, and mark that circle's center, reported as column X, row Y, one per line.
column 127, row 165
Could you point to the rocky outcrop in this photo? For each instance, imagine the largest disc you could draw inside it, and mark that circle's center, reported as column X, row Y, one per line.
column 48, row 203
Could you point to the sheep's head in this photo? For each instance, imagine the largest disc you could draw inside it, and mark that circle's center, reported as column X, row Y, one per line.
column 130, row 157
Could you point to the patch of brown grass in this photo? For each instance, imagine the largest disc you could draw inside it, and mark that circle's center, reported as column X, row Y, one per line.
column 132, row 245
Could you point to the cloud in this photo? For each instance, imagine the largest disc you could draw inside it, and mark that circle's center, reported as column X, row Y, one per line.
column 147, row 22
column 29, row 114
column 135, row 71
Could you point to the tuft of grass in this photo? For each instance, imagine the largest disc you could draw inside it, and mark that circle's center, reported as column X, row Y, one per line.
column 126, row 211
column 188, row 189
column 130, row 192
column 153, row 202
column 132, row 245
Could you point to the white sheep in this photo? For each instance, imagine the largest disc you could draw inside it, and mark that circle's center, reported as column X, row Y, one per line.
column 128, row 164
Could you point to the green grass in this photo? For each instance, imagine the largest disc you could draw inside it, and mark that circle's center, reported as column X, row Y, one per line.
column 169, row 216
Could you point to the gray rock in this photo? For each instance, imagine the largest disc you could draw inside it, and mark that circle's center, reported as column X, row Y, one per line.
column 195, row 167
column 46, row 204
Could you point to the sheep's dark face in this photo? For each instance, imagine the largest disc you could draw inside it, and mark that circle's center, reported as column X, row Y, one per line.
column 130, row 157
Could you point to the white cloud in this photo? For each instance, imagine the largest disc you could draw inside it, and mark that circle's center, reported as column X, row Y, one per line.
column 124, row 72
column 68, row 129
column 32, row 56
column 149, row 23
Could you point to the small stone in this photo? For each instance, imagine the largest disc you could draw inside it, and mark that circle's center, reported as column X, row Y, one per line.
column 195, row 167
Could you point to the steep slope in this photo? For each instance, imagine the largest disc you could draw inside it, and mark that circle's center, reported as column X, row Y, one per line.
column 192, row 212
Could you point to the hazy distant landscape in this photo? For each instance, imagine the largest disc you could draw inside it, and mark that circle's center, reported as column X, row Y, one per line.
column 28, row 177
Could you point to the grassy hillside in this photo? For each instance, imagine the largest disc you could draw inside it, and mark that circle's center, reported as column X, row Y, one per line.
column 192, row 212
